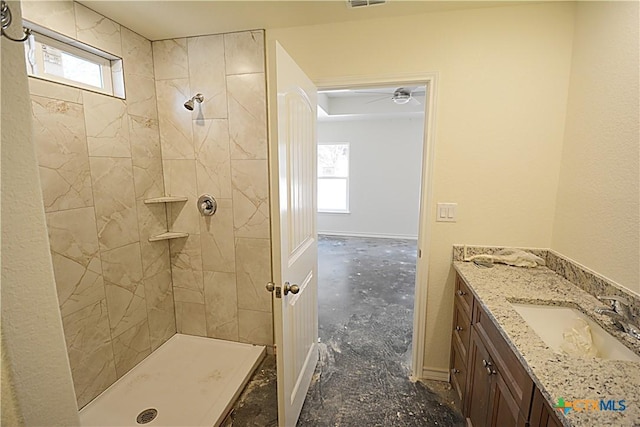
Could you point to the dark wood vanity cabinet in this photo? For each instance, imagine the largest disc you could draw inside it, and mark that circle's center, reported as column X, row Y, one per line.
column 493, row 386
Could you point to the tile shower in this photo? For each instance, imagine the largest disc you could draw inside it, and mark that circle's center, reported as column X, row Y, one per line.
column 100, row 157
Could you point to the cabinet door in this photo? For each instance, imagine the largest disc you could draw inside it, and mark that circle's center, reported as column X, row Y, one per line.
column 479, row 386
column 542, row 415
column 505, row 410
column 505, row 360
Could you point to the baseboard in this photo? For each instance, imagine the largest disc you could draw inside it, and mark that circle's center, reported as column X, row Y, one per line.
column 371, row 235
column 435, row 374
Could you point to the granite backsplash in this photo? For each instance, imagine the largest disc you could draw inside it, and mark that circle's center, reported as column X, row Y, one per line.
column 581, row 276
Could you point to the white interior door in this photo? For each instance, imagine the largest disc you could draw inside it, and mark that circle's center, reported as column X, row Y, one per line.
column 295, row 293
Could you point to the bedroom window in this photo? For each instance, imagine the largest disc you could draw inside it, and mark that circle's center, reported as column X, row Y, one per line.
column 333, row 177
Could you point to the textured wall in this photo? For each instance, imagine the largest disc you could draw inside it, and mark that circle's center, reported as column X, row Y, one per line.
column 597, row 220
column 220, row 148
column 500, row 113
column 99, row 157
column 33, row 350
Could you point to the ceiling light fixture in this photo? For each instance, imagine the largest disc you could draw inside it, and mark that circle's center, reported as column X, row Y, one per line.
column 401, row 96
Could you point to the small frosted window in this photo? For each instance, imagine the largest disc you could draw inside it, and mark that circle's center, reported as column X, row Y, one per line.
column 71, row 67
column 64, row 60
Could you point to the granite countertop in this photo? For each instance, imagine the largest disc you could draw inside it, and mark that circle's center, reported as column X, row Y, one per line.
column 557, row 375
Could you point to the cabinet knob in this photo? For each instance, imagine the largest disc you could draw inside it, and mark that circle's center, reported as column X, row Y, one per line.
column 459, row 328
column 461, row 292
column 456, row 371
column 487, row 364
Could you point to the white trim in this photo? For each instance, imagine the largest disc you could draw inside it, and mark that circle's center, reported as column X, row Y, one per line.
column 372, row 235
column 347, row 212
column 368, row 81
column 434, row 374
column 430, row 79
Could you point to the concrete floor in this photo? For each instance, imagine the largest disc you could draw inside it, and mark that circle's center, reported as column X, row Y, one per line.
column 365, row 310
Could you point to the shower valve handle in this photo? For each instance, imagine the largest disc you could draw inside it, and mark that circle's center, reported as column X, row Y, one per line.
column 207, row 205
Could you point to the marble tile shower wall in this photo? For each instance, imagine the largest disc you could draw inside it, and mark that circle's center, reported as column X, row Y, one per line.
column 220, row 148
column 99, row 159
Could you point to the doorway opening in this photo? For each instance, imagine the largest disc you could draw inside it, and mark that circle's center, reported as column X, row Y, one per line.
column 370, row 151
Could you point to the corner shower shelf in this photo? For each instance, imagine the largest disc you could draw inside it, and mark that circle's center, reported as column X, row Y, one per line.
column 166, row 199
column 168, row 235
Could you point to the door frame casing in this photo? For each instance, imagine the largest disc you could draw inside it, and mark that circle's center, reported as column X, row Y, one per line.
column 430, row 79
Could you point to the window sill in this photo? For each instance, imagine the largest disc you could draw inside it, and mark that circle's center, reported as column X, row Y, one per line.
column 334, row 212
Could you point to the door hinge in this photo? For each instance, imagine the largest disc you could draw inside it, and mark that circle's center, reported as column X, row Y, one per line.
column 419, row 253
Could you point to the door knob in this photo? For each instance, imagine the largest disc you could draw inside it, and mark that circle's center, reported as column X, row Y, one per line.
column 294, row 289
column 271, row 287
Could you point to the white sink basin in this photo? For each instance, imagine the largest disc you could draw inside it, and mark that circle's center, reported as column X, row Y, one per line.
column 549, row 322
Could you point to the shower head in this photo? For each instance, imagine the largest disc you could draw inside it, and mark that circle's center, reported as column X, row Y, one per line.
column 190, row 104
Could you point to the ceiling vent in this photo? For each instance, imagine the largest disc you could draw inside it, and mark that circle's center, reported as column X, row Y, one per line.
column 364, row 3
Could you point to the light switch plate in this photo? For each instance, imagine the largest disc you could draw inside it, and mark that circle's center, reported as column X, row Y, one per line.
column 446, row 212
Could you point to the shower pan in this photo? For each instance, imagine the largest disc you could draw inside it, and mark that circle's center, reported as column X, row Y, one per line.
column 188, row 381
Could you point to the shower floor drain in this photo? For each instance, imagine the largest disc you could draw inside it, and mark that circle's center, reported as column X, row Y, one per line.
column 147, row 416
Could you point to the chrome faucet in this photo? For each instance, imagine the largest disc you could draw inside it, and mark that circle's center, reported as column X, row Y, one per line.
column 618, row 310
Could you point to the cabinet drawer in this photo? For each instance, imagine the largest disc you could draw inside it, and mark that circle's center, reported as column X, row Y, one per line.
column 461, row 329
column 464, row 297
column 506, row 362
column 458, row 371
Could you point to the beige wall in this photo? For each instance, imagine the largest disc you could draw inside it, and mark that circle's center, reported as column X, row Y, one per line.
column 500, row 113
column 597, row 220
column 99, row 158
column 33, row 351
column 220, row 148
